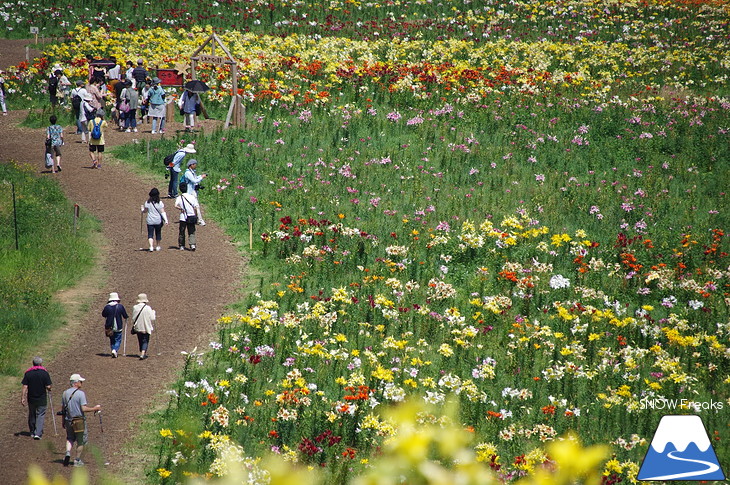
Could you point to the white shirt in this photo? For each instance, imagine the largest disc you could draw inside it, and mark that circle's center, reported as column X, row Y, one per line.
column 188, row 207
column 114, row 72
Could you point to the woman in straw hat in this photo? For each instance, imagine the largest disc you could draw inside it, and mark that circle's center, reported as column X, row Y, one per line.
column 143, row 317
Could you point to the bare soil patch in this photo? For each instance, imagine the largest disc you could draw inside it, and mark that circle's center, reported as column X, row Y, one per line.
column 189, row 291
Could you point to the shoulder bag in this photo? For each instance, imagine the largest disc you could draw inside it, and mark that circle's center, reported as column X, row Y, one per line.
column 134, row 330
column 189, row 219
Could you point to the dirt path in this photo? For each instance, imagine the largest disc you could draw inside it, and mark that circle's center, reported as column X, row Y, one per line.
column 187, row 289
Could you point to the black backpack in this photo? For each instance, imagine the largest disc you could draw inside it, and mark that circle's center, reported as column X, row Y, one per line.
column 53, row 83
column 76, row 102
column 169, row 159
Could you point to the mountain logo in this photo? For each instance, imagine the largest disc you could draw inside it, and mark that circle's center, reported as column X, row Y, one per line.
column 680, row 450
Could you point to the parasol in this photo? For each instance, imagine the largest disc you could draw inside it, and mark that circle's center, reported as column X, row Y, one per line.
column 196, row 86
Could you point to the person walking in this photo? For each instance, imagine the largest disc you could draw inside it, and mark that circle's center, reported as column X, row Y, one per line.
column 77, row 98
column 189, row 213
column 86, row 114
column 156, row 216
column 54, row 140
column 139, row 74
column 176, row 168
column 144, row 105
column 194, row 180
column 115, row 316
column 98, row 95
column 114, row 72
column 64, row 89
column 143, row 317
column 130, row 96
column 75, row 406
column 53, row 81
column 3, row 93
column 96, row 128
column 36, row 386
column 189, row 105
column 156, row 110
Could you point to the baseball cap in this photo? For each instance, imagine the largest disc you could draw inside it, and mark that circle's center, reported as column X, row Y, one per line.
column 76, row 378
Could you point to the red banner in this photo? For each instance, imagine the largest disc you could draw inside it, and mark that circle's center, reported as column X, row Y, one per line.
column 170, row 77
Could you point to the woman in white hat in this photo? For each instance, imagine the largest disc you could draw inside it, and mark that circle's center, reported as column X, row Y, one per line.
column 115, row 320
column 176, row 168
column 143, row 317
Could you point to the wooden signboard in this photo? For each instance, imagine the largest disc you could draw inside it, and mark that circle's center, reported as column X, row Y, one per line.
column 170, row 77
column 211, row 59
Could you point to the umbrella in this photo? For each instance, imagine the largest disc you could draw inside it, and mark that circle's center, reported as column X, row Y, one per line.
column 196, row 86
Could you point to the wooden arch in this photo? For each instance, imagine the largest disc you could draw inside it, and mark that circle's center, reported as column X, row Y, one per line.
column 236, row 111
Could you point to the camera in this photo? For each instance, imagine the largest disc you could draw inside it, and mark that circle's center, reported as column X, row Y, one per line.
column 199, row 187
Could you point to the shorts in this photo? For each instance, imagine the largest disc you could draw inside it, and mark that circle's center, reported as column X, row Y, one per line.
column 79, row 438
column 154, row 230
column 96, row 148
column 56, row 149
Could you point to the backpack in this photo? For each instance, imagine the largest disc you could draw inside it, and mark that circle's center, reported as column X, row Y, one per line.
column 76, row 102
column 96, row 131
column 169, row 159
column 52, row 83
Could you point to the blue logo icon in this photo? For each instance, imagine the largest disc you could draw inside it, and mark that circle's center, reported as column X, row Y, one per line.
column 680, row 450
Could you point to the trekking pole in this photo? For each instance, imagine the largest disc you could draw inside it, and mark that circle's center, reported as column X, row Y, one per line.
column 50, row 402
column 124, row 331
column 103, row 440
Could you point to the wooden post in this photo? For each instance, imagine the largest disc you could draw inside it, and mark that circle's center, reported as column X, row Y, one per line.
column 250, row 233
column 236, row 109
column 76, row 217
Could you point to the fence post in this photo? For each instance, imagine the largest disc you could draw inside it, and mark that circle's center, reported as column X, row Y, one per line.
column 76, row 216
column 15, row 217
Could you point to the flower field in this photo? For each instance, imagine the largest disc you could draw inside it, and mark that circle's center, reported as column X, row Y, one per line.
column 518, row 210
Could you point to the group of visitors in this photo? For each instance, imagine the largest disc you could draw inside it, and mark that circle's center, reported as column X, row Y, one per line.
column 87, row 101
column 74, row 406
column 37, row 384
column 115, row 323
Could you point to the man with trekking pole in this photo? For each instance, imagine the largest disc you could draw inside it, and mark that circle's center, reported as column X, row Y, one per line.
column 74, row 408
column 36, row 388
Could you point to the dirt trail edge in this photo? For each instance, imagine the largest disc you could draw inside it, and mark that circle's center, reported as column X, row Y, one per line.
column 189, row 291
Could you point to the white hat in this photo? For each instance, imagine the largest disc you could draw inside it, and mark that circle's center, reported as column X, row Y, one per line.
column 76, row 378
column 189, row 148
column 142, row 298
column 113, row 296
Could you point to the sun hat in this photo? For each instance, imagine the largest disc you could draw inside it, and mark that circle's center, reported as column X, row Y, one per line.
column 156, row 80
column 113, row 296
column 76, row 378
column 189, row 148
column 142, row 298
column 192, row 161
column 88, row 96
